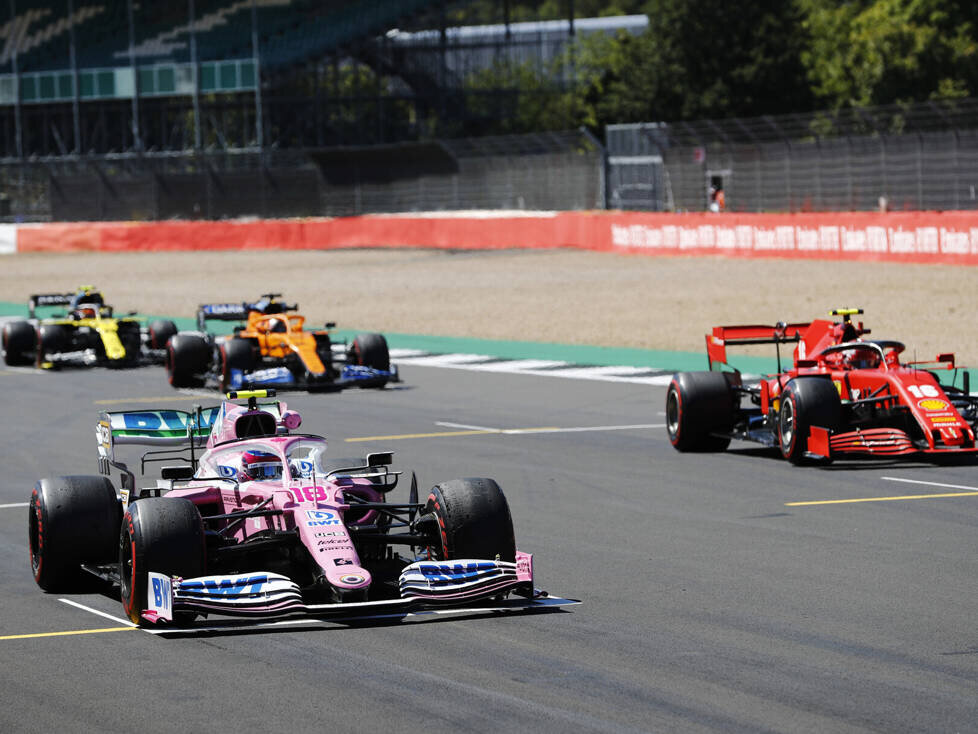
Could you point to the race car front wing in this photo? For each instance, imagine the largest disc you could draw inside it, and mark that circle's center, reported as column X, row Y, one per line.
column 423, row 585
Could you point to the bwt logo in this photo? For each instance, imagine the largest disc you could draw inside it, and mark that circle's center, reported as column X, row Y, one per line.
column 231, row 586
column 321, row 517
column 161, row 594
column 454, row 571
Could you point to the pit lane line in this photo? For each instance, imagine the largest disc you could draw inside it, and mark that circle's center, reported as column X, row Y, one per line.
column 15, row 504
column 973, row 492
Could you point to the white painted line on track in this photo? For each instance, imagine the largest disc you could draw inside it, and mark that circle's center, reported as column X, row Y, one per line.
column 931, row 484
column 447, row 360
column 15, row 504
column 84, row 608
column 524, row 431
column 517, row 365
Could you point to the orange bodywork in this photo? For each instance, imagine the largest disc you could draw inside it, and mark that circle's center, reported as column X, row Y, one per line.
column 279, row 335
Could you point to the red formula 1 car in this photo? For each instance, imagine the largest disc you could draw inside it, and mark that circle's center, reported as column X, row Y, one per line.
column 843, row 395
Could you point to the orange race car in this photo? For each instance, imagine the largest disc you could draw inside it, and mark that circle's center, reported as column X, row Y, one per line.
column 273, row 349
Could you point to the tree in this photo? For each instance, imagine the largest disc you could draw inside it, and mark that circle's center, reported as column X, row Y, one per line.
column 870, row 52
column 707, row 58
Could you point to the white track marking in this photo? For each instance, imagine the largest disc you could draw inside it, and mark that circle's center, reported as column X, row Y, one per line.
column 518, row 365
column 96, row 611
column 931, row 484
column 521, row 431
column 15, row 504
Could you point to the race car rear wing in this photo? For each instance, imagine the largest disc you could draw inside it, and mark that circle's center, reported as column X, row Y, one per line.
column 152, row 428
column 724, row 336
column 267, row 304
column 47, row 299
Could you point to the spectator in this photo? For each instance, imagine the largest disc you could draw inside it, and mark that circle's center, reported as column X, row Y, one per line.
column 717, row 200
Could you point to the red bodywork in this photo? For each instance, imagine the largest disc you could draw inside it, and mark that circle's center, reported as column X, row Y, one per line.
column 893, row 408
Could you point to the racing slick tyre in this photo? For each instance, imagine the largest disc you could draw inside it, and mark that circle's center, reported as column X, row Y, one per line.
column 51, row 339
column 128, row 332
column 324, row 350
column 473, row 521
column 160, row 332
column 699, row 404
column 19, row 342
column 163, row 535
column 236, row 354
column 188, row 357
column 72, row 520
column 806, row 402
column 370, row 350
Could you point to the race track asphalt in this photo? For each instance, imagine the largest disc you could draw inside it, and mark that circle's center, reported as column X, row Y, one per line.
column 709, row 602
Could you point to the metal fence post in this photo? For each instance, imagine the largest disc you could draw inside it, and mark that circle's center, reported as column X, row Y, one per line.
column 602, row 168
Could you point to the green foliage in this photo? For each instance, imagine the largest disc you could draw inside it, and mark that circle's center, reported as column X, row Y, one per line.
column 716, row 59
column 869, row 52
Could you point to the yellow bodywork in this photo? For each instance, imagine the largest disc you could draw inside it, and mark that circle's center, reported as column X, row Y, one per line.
column 106, row 328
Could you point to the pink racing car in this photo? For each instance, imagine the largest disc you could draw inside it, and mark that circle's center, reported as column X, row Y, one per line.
column 263, row 524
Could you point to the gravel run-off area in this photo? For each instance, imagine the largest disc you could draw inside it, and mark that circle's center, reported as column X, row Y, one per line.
column 559, row 296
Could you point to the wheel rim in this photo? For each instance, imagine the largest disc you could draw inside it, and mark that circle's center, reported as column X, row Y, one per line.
column 786, row 423
column 35, row 537
column 125, row 567
column 672, row 413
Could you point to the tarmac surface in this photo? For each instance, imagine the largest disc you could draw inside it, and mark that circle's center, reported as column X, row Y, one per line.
column 709, row 602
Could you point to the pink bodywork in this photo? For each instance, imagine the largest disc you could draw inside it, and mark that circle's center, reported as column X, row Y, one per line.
column 315, row 506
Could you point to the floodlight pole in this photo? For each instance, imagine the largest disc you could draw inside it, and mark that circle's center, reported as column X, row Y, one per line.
column 256, row 57
column 18, row 132
column 75, row 112
column 136, row 139
column 196, row 73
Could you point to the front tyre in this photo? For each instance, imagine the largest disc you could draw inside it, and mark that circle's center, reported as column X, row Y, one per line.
column 19, row 342
column 160, row 332
column 72, row 520
column 236, row 355
column 806, row 402
column 473, row 521
column 160, row 534
column 698, row 405
column 188, row 358
column 370, row 350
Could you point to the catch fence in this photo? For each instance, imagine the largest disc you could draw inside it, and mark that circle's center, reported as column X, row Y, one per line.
column 922, row 157
column 545, row 171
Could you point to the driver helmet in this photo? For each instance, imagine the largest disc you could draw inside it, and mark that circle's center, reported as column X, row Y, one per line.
column 260, row 465
column 864, row 360
column 86, row 296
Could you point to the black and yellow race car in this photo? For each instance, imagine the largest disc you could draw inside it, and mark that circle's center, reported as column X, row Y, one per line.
column 87, row 333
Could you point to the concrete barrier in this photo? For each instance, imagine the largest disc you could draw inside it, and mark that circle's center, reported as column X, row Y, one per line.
column 922, row 237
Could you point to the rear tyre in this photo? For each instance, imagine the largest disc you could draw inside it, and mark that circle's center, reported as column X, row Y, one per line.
column 19, row 342
column 370, row 350
column 72, row 520
column 128, row 332
column 188, row 358
column 160, row 332
column 806, row 402
column 473, row 519
column 236, row 354
column 51, row 339
column 699, row 404
column 163, row 535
